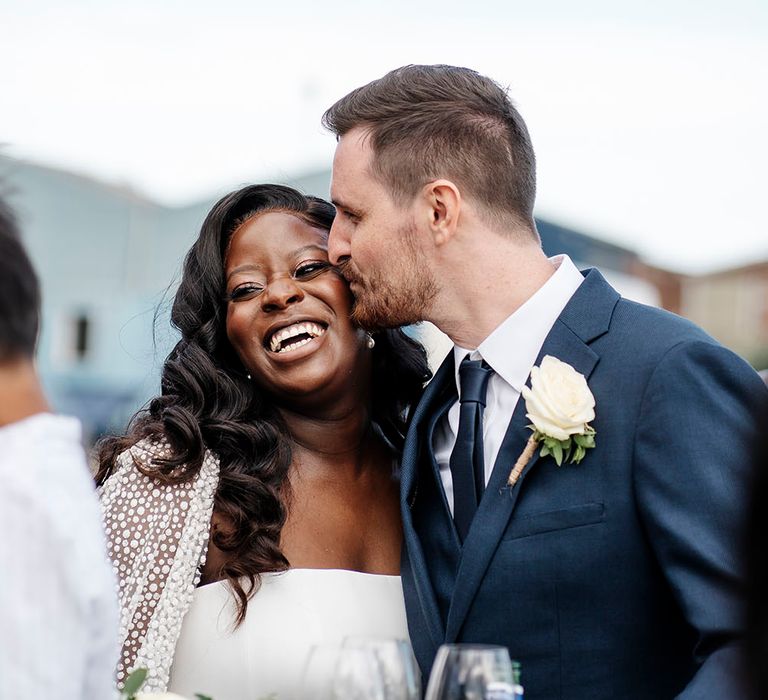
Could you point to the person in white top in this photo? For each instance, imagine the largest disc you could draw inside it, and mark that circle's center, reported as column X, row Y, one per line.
column 619, row 576
column 253, row 510
column 58, row 603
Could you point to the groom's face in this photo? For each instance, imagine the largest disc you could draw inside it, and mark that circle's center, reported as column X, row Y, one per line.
column 377, row 243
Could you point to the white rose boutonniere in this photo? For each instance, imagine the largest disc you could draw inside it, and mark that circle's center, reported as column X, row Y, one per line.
column 560, row 407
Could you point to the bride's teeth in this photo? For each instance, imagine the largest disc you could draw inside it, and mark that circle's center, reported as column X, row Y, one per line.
column 309, row 328
column 295, row 346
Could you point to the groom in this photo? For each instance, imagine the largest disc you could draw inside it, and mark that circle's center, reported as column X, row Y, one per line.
column 618, row 577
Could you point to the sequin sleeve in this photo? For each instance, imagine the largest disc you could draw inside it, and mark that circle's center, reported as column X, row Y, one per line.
column 157, row 535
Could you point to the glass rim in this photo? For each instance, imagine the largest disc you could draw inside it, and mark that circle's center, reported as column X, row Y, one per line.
column 473, row 647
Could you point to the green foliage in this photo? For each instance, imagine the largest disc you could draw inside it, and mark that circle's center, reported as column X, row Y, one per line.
column 571, row 450
column 134, row 681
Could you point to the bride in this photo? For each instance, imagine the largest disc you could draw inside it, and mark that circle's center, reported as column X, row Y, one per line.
column 252, row 510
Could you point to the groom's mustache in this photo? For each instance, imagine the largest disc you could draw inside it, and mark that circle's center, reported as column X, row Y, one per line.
column 345, row 267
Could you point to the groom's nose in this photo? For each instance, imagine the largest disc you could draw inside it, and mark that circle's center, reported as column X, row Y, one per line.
column 338, row 242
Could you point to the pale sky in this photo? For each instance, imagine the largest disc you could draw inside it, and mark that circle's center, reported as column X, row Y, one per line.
column 649, row 118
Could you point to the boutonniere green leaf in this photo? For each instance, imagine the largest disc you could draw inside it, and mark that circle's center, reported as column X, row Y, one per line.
column 560, row 406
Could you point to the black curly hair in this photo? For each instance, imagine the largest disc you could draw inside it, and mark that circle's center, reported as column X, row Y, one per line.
column 207, row 402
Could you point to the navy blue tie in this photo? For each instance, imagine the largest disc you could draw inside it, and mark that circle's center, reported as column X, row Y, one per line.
column 467, row 463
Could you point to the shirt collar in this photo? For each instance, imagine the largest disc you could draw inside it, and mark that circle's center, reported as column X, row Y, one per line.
column 512, row 348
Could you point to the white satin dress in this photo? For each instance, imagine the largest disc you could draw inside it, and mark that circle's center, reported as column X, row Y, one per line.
column 293, row 610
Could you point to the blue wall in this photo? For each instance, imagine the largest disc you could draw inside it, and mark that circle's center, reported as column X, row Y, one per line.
column 113, row 256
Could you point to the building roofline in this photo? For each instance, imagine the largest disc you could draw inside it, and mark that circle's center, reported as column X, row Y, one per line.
column 125, row 190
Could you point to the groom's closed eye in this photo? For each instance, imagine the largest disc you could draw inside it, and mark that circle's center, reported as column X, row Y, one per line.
column 349, row 215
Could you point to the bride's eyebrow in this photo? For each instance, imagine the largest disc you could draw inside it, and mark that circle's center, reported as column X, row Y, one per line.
column 248, row 267
column 307, row 248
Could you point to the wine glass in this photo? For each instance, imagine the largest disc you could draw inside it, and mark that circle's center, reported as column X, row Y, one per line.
column 402, row 680
column 358, row 675
column 319, row 670
column 471, row 672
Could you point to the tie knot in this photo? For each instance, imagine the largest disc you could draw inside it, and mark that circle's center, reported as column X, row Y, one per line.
column 473, row 380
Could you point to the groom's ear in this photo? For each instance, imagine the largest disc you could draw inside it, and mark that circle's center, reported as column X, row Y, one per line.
column 443, row 204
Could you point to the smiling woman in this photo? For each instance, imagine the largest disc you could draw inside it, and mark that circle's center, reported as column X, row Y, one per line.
column 272, row 448
column 288, row 316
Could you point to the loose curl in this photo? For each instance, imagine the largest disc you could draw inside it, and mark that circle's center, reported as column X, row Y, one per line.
column 207, row 402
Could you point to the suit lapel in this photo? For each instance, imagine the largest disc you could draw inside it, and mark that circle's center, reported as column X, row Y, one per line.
column 409, row 478
column 585, row 317
column 440, row 384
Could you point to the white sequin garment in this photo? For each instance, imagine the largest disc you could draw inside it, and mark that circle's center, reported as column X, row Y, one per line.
column 157, row 536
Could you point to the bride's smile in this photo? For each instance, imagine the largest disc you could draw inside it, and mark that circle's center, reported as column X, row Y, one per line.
column 288, row 309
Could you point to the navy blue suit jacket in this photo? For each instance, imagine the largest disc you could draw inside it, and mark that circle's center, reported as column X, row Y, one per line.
column 618, row 577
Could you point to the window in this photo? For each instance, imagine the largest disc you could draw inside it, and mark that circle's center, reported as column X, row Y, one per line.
column 82, row 327
column 72, row 341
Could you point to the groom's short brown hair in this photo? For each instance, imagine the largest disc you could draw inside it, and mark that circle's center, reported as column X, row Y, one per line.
column 429, row 122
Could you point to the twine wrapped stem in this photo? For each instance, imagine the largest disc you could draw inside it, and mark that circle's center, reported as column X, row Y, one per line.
column 522, row 460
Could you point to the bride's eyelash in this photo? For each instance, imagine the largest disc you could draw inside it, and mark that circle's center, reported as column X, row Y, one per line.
column 244, row 291
column 307, row 269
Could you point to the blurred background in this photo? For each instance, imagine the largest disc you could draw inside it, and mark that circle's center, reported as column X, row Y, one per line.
column 121, row 123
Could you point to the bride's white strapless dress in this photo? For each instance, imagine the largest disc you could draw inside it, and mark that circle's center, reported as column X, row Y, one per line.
column 182, row 634
column 292, row 611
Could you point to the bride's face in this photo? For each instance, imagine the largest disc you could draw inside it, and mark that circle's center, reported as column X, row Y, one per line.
column 288, row 310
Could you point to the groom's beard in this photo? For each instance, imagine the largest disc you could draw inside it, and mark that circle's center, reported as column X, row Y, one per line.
column 398, row 297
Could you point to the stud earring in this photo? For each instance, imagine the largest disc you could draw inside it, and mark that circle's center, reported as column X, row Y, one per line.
column 370, row 342
column 248, row 377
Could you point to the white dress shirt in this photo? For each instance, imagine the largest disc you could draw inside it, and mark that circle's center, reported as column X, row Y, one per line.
column 511, row 351
column 58, row 604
